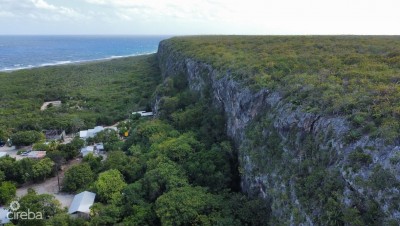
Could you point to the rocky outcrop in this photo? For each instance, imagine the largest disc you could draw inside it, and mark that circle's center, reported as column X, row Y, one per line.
column 276, row 179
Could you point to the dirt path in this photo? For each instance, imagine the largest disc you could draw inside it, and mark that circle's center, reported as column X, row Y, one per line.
column 50, row 186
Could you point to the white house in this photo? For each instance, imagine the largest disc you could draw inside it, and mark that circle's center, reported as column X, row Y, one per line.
column 143, row 113
column 99, row 147
column 4, row 216
column 87, row 150
column 84, row 134
column 2, row 154
column 81, row 203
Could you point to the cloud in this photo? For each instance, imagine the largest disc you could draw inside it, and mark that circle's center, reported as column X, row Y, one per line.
column 179, row 9
column 210, row 16
column 38, row 9
column 6, row 14
column 41, row 4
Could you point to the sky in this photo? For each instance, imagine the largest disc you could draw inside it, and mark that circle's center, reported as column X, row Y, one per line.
column 194, row 17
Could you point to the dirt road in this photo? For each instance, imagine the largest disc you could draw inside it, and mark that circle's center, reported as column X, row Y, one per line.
column 50, row 186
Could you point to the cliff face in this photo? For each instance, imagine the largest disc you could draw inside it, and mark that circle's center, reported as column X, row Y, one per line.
column 303, row 162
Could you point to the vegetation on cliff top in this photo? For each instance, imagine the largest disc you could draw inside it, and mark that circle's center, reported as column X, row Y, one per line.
column 92, row 93
column 356, row 77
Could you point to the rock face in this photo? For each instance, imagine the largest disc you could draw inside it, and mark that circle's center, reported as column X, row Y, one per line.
column 282, row 149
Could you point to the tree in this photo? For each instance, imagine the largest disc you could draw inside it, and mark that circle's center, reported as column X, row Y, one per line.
column 7, row 192
column 42, row 169
column 105, row 214
column 178, row 149
column 64, row 219
column 4, row 134
column 23, row 170
column 2, row 176
column 93, row 161
column 24, row 138
column 45, row 204
column 72, row 149
column 162, row 176
column 186, row 206
column 7, row 166
column 210, row 168
column 77, row 177
column 40, row 147
column 77, row 124
column 108, row 136
column 109, row 186
column 130, row 167
column 53, row 145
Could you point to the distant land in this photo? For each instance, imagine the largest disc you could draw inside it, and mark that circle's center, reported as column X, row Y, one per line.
column 21, row 52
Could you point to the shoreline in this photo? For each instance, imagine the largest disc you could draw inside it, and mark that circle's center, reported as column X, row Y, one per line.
column 77, row 62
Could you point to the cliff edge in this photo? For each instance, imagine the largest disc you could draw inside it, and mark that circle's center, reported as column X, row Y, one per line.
column 309, row 164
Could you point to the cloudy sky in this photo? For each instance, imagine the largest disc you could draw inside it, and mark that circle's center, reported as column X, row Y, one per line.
column 177, row 17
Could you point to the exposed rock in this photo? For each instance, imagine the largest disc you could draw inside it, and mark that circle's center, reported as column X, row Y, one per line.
column 242, row 106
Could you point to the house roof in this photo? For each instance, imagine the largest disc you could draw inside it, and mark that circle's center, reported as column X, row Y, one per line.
column 143, row 113
column 83, row 133
column 53, row 132
column 87, row 150
column 84, row 153
column 99, row 146
column 82, row 202
column 37, row 154
column 98, row 129
column 3, row 216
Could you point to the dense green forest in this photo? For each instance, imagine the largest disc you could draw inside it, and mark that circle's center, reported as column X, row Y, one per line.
column 177, row 169
column 91, row 94
column 352, row 76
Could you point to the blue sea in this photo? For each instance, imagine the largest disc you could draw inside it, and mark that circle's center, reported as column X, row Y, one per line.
column 21, row 52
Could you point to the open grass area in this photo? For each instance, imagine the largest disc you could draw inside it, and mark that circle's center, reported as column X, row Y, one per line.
column 92, row 93
column 353, row 76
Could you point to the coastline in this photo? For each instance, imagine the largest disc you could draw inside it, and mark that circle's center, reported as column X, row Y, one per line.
column 77, row 62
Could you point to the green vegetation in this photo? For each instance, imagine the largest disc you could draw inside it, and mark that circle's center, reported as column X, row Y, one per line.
column 165, row 173
column 46, row 204
column 358, row 158
column 7, row 192
column 318, row 183
column 77, row 178
column 24, row 138
column 109, row 186
column 26, row 170
column 356, row 77
column 92, row 93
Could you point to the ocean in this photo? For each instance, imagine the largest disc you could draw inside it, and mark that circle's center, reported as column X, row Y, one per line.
column 22, row 52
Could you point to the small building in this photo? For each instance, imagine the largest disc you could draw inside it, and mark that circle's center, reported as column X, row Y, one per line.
column 36, row 154
column 87, row 150
column 54, row 134
column 3, row 154
column 143, row 113
column 81, row 204
column 84, row 134
column 99, row 147
column 112, row 128
column 4, row 216
column 48, row 104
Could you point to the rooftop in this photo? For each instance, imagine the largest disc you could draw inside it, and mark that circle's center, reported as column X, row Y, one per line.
column 82, row 202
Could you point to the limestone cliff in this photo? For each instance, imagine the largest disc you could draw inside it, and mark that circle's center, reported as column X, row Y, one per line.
column 285, row 151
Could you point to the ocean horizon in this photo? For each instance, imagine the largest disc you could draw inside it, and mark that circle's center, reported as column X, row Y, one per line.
column 19, row 52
